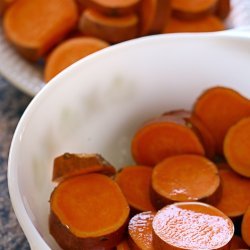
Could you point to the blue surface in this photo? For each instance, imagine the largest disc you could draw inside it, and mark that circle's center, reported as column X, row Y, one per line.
column 12, row 105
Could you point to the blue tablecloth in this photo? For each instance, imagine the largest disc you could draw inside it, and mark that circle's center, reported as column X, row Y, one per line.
column 12, row 104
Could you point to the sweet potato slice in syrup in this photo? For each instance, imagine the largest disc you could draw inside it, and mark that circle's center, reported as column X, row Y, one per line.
column 236, row 147
column 162, row 137
column 235, row 196
column 185, row 178
column 135, row 182
column 191, row 225
column 88, row 212
column 219, row 108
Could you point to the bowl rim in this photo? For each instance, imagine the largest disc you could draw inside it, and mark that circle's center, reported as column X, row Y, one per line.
column 33, row 236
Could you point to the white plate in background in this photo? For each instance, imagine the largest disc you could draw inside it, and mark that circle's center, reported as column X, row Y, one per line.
column 28, row 77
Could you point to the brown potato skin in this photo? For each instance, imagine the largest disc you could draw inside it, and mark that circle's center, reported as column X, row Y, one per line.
column 68, row 241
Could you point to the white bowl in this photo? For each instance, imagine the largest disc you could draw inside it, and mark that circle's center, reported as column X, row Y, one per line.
column 97, row 104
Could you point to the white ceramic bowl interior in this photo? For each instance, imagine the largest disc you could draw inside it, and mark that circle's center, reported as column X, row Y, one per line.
column 97, row 104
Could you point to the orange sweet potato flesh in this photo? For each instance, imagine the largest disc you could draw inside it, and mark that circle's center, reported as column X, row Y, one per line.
column 236, row 147
column 112, row 7
column 69, row 52
column 219, row 108
column 206, row 24
column 135, row 182
column 68, row 165
column 235, row 196
column 223, row 8
column 163, row 137
column 192, row 121
column 237, row 243
column 141, row 232
column 112, row 29
column 84, row 214
column 185, row 178
column 35, row 26
column 191, row 225
column 245, row 227
column 193, row 9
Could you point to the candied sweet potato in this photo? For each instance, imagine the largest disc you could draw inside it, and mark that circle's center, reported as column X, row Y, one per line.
column 135, row 182
column 191, row 225
column 163, row 137
column 219, row 108
column 35, row 26
column 88, row 212
column 185, row 178
column 68, row 165
column 112, row 29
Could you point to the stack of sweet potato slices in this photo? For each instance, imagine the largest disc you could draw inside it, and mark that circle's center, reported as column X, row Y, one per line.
column 191, row 168
column 60, row 32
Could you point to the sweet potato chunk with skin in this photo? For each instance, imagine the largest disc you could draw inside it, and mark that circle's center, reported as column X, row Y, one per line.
column 236, row 147
column 185, row 178
column 192, row 121
column 135, row 182
column 88, row 212
column 235, row 196
column 163, row 137
column 69, row 52
column 191, row 225
column 109, row 28
column 35, row 26
column 219, row 108
column 68, row 165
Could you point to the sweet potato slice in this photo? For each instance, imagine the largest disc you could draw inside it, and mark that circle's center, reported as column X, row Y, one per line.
column 135, row 182
column 34, row 26
column 112, row 7
column 109, row 28
column 88, row 212
column 245, row 227
column 235, row 196
column 237, row 243
column 140, row 231
column 219, row 108
column 163, row 137
column 206, row 24
column 185, row 178
column 193, row 9
column 223, row 9
column 192, row 121
column 69, row 52
column 191, row 225
column 68, row 165
column 236, row 147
